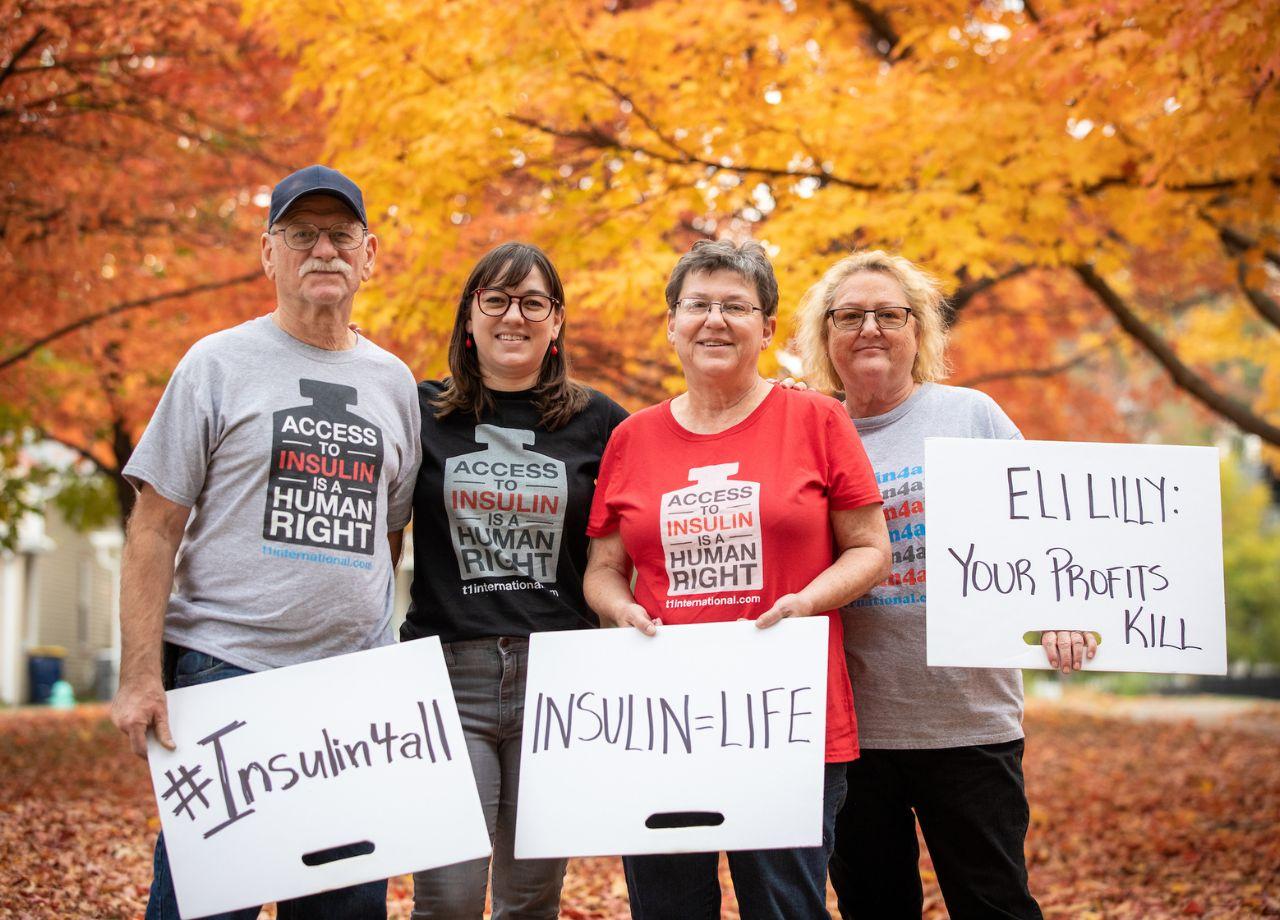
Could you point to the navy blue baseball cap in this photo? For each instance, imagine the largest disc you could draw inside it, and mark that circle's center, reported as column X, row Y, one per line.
column 315, row 180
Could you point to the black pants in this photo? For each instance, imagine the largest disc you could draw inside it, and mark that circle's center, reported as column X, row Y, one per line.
column 972, row 807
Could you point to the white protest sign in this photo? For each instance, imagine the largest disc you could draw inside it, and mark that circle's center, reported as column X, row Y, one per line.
column 275, row 768
column 1123, row 540
column 703, row 737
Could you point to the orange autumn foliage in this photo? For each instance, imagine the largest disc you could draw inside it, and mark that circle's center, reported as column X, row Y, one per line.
column 137, row 138
column 1121, row 157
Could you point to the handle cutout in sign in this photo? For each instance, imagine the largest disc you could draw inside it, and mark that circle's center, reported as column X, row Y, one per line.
column 1033, row 637
column 668, row 819
column 333, row 854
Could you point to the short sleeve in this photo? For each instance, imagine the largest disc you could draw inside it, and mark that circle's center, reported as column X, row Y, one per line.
column 400, row 492
column 173, row 453
column 617, row 415
column 1001, row 426
column 851, row 482
column 605, row 518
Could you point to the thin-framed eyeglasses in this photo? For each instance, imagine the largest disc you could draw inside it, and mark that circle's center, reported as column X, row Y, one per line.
column 533, row 307
column 732, row 309
column 853, row 318
column 302, row 235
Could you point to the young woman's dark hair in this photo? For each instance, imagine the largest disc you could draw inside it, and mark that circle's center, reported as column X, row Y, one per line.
column 556, row 397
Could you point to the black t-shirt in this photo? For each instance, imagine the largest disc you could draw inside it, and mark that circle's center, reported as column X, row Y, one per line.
column 500, row 519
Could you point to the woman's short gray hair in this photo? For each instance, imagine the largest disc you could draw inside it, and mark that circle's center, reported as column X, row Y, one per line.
column 924, row 296
column 748, row 260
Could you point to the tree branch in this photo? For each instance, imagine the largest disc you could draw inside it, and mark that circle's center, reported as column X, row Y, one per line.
column 1035, row 372
column 884, row 38
column 1266, row 306
column 599, row 137
column 1236, row 243
column 22, row 52
column 81, row 452
column 1233, row 410
column 119, row 308
column 966, row 292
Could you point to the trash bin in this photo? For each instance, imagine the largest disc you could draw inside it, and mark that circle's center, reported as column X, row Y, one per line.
column 44, row 669
column 106, row 667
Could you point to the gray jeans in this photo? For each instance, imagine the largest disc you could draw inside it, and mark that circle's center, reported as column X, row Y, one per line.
column 488, row 678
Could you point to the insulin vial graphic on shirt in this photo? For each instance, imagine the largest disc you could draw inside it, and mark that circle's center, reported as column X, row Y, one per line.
column 506, row 507
column 325, row 463
column 711, row 533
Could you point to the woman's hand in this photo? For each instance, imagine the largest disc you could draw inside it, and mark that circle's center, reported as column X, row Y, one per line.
column 787, row 383
column 1068, row 648
column 635, row 615
column 789, row 605
column 607, row 586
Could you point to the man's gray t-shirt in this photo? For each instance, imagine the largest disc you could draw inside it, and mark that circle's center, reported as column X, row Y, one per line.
column 900, row 701
column 296, row 462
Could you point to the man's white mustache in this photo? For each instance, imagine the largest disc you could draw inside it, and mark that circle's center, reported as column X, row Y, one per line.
column 324, row 265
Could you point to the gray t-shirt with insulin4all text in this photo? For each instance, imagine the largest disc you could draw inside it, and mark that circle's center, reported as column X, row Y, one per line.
column 901, row 702
column 296, row 462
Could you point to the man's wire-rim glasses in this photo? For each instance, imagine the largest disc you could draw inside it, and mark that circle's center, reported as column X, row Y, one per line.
column 302, row 235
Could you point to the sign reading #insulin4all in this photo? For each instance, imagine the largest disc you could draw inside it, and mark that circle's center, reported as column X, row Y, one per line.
column 313, row 777
column 703, row 737
column 1123, row 540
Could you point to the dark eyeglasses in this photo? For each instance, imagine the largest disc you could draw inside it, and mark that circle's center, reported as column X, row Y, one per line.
column 853, row 318
column 533, row 307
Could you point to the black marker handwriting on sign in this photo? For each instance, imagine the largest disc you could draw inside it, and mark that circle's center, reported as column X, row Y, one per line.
column 761, row 719
column 1071, row 580
column 242, row 780
column 1151, row 632
column 1040, row 495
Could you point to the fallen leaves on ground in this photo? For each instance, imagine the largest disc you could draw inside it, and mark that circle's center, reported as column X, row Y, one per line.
column 1129, row 819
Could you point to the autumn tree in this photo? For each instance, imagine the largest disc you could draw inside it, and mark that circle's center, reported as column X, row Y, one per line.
column 1101, row 178
column 138, row 142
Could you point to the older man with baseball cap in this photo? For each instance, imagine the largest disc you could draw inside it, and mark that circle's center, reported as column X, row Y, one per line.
column 233, row 563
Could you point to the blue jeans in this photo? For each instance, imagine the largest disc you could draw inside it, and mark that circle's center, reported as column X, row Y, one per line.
column 972, row 807
column 488, row 677
column 770, row 884
column 185, row 668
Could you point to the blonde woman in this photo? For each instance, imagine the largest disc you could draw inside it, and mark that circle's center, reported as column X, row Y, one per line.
column 941, row 745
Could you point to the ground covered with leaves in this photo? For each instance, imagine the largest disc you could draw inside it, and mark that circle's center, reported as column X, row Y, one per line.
column 1142, row 811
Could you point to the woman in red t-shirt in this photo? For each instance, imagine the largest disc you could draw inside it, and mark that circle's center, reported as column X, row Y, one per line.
column 737, row 500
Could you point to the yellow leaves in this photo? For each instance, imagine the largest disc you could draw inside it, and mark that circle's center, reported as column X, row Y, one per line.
column 616, row 138
column 1234, row 24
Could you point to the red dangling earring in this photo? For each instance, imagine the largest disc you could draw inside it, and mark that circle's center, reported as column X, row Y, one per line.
column 554, row 350
column 468, row 341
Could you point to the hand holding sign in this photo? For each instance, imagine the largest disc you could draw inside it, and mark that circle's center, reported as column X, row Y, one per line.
column 1118, row 541
column 683, row 724
column 789, row 605
column 137, row 706
column 313, row 777
column 1068, row 648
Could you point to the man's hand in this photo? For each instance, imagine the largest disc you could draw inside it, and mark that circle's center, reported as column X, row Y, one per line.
column 1068, row 648
column 140, row 705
